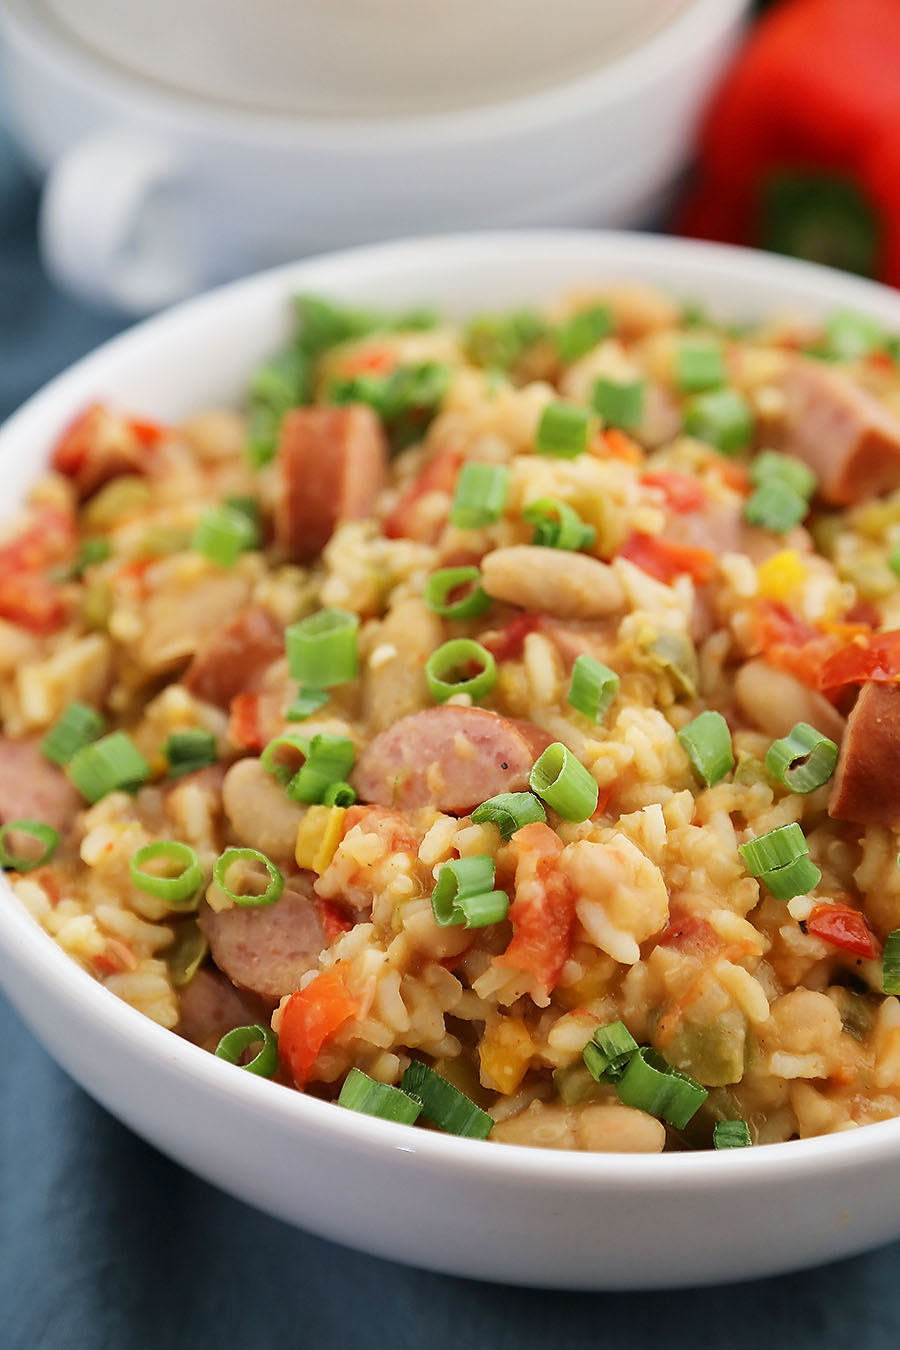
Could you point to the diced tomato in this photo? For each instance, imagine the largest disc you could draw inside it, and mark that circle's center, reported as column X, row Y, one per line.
column 863, row 612
column 334, row 920
column 603, row 799
column 843, row 927
column 406, row 521
column 48, row 538
column 543, row 910
column 791, row 643
column 681, row 493
column 734, row 476
column 619, row 445
column 75, row 442
column 311, row 1017
column 148, row 433
column 31, row 601
column 506, row 643
column 243, row 725
column 867, row 656
column 369, row 361
column 389, row 825
column 665, row 560
column 687, row 932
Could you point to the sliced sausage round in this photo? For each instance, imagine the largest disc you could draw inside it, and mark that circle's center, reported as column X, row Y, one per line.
column 232, row 660
column 866, row 788
column 331, row 465
column 841, row 431
column 31, row 788
column 267, row 950
column 449, row 758
column 209, row 1006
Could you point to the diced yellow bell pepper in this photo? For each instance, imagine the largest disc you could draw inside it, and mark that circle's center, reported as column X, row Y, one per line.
column 506, row 1050
column 781, row 574
column 318, row 835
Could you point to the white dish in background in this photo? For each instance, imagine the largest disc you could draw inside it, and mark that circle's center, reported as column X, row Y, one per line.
column 153, row 191
column 527, row 1216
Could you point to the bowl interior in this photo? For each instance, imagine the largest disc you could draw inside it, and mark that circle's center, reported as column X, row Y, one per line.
column 200, row 354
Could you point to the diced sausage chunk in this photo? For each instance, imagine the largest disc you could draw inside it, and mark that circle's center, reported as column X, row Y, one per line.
column 31, row 788
column 232, row 660
column 267, row 950
column 449, row 758
column 331, row 465
column 209, row 1006
column 866, row 787
column 841, row 431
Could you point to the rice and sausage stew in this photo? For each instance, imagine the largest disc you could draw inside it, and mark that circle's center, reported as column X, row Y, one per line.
column 493, row 725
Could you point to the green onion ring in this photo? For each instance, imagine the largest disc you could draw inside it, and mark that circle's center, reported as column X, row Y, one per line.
column 234, row 1043
column 177, row 892
column 269, row 896
column 44, row 834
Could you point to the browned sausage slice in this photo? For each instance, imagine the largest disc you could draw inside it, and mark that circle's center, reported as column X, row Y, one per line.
column 841, row 431
column 866, row 785
column 267, row 950
column 31, row 788
column 210, row 1006
column 331, row 465
column 449, row 758
column 233, row 659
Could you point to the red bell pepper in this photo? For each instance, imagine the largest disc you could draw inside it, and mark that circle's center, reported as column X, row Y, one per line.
column 311, row 1017
column 680, row 493
column 800, row 151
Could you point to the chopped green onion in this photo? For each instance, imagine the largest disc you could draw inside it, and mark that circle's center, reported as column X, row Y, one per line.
column 592, row 688
column 406, row 398
column 280, row 384
column 92, row 551
column 338, row 794
column 772, row 464
column 776, row 848
column 365, row 1094
column 78, row 726
column 329, row 760
column 890, row 964
column 321, row 649
column 480, row 496
column 775, row 506
column 723, row 418
column 500, row 341
column 112, row 764
column 650, row 1084
column 443, row 1104
column 850, row 335
column 188, row 750
column 187, row 951
column 699, row 365
column 463, row 894
column 581, row 333
column 509, row 811
column 556, row 525
column 245, row 506
column 795, row 878
column 620, row 402
column 608, row 1052
column 43, row 835
column 306, row 703
column 253, row 900
column 707, row 741
column 564, row 783
column 803, row 760
column 731, row 1134
column 446, row 670
column 456, row 593
column 234, row 1043
column 177, row 888
column 223, row 534
column 563, row 430
column 285, row 756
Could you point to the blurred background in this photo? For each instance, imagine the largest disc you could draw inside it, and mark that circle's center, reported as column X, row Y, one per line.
column 147, row 152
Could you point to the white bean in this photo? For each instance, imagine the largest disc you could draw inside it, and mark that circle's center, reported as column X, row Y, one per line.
column 551, row 581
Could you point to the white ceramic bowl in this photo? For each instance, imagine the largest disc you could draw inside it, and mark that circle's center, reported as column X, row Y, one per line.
column 153, row 192
column 480, row 1209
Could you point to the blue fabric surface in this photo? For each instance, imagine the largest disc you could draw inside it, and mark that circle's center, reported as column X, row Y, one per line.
column 105, row 1243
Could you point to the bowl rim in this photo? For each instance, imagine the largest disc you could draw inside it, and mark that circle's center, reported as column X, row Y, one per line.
column 39, row 957
column 700, row 25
